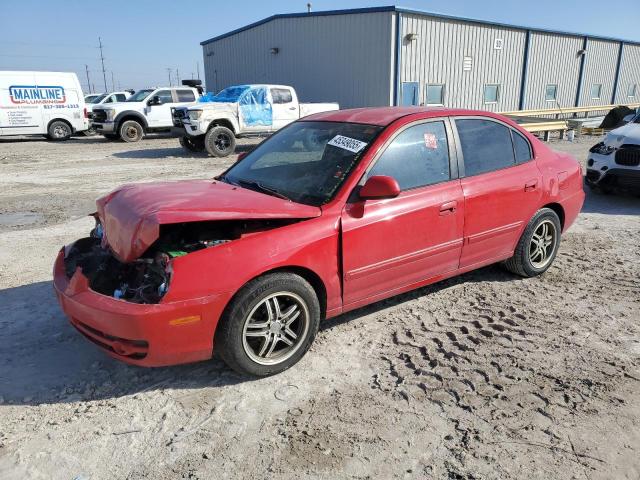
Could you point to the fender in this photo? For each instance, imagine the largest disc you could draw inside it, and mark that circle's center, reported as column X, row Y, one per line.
column 131, row 113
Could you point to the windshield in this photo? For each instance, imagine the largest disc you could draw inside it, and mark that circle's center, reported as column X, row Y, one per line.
column 140, row 95
column 97, row 99
column 90, row 98
column 306, row 162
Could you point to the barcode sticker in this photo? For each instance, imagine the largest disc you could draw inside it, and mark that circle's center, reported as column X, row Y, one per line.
column 347, row 143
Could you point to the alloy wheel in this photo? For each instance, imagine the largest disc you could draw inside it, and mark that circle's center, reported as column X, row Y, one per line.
column 543, row 244
column 275, row 328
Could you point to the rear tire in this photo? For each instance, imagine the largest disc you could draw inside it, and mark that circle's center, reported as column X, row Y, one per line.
column 131, row 131
column 59, row 131
column 538, row 245
column 192, row 144
column 269, row 325
column 220, row 142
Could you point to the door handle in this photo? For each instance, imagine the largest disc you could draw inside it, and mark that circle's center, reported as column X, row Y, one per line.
column 530, row 185
column 292, row 108
column 448, row 208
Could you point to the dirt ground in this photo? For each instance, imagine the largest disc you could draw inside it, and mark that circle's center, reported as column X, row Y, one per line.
column 485, row 376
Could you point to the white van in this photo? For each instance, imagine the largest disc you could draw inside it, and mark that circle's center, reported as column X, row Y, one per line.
column 41, row 103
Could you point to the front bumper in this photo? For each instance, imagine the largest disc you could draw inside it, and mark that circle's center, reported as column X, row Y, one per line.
column 194, row 128
column 603, row 170
column 104, row 127
column 149, row 335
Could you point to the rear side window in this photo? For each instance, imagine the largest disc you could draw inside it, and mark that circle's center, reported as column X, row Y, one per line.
column 281, row 95
column 486, row 146
column 186, row 96
column 109, row 100
column 521, row 147
column 417, row 157
column 120, row 97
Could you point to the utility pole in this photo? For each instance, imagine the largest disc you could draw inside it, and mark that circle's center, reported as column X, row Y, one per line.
column 104, row 73
column 198, row 69
column 113, row 84
column 86, row 67
column 169, row 71
column 177, row 77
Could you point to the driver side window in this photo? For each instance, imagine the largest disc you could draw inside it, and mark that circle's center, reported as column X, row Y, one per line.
column 164, row 95
column 417, row 157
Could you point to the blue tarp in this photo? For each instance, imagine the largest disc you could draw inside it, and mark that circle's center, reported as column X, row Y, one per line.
column 255, row 108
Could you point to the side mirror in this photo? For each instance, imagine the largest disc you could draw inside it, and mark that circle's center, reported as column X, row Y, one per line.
column 155, row 100
column 379, row 186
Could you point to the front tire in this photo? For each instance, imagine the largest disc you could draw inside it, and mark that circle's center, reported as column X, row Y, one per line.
column 269, row 325
column 538, row 245
column 192, row 144
column 131, row 131
column 220, row 142
column 58, row 131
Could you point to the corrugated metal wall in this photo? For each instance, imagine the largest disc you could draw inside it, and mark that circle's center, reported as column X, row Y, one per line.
column 629, row 74
column 436, row 57
column 599, row 68
column 553, row 60
column 343, row 58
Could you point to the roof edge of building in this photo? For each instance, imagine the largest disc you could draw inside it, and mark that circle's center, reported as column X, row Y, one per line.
column 393, row 8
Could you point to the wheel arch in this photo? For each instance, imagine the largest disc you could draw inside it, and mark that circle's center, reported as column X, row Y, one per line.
column 559, row 210
column 222, row 122
column 130, row 115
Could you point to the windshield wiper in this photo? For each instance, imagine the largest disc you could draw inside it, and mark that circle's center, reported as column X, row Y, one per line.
column 264, row 189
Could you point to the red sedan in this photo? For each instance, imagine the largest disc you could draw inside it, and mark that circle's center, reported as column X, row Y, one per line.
column 331, row 213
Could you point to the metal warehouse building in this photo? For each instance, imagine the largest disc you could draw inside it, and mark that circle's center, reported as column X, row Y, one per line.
column 395, row 56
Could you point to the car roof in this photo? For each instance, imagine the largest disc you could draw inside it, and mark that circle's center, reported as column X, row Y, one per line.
column 384, row 116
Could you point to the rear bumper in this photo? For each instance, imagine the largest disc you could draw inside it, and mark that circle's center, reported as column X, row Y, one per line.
column 139, row 334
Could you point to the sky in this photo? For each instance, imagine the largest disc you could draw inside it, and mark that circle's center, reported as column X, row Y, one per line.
column 145, row 42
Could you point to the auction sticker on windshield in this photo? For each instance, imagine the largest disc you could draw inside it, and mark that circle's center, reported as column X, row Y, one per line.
column 347, row 143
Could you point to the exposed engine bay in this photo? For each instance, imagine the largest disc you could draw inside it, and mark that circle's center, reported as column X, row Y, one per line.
column 147, row 279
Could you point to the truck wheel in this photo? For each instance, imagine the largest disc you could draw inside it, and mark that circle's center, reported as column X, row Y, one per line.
column 220, row 142
column 59, row 130
column 269, row 325
column 131, row 131
column 193, row 144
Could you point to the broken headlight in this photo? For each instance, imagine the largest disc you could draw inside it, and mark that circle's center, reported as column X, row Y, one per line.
column 195, row 114
column 602, row 149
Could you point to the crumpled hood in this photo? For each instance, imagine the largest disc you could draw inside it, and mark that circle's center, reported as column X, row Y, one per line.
column 627, row 134
column 132, row 215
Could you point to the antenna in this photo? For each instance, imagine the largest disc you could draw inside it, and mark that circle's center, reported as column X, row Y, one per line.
column 104, row 73
column 86, row 67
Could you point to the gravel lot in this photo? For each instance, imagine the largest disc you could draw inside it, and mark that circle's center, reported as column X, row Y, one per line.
column 485, row 376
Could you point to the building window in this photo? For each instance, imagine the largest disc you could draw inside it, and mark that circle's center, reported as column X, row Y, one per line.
column 631, row 92
column 596, row 91
column 491, row 93
column 551, row 93
column 435, row 94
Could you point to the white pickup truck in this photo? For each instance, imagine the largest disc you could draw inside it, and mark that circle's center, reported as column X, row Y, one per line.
column 216, row 121
column 145, row 111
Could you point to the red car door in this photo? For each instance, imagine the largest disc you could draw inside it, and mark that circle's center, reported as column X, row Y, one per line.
column 393, row 243
column 502, row 188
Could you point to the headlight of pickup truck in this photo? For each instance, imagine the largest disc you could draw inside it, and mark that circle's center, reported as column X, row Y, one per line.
column 195, row 114
column 111, row 113
column 602, row 149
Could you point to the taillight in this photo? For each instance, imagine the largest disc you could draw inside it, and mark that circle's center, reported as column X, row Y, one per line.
column 86, row 115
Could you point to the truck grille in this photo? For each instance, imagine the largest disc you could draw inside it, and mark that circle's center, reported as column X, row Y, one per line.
column 99, row 116
column 628, row 155
column 178, row 114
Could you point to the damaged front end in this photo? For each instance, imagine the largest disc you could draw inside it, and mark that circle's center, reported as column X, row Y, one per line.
column 147, row 279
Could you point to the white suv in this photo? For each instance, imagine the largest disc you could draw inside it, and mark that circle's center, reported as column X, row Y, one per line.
column 145, row 111
column 615, row 162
